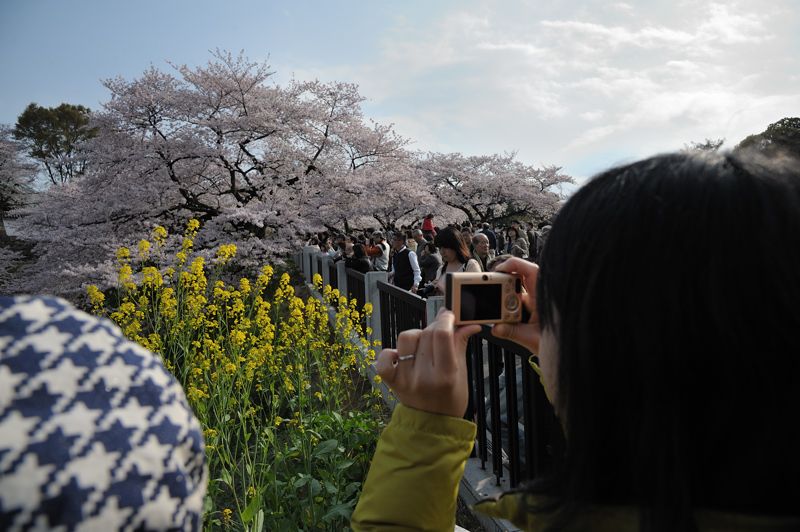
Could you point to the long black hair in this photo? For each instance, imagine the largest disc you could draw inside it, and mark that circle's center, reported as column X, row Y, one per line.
column 673, row 288
column 358, row 251
column 451, row 238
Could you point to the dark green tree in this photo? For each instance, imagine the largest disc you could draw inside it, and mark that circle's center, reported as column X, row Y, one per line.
column 53, row 137
column 16, row 175
column 781, row 137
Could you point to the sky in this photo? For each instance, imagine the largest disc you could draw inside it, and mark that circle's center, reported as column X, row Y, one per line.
column 581, row 84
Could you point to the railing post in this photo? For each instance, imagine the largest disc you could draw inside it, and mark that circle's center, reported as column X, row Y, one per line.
column 309, row 256
column 344, row 289
column 373, row 296
column 432, row 306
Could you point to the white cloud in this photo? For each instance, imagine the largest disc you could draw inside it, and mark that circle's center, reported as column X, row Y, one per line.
column 597, row 38
column 621, row 7
column 728, row 24
column 593, row 116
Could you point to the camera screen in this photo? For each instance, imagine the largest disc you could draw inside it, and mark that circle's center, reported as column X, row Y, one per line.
column 481, row 302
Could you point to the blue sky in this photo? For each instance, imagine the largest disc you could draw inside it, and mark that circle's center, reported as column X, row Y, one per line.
column 582, row 84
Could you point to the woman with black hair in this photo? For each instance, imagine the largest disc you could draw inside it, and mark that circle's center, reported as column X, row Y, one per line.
column 358, row 261
column 429, row 261
column 515, row 244
column 455, row 256
column 671, row 360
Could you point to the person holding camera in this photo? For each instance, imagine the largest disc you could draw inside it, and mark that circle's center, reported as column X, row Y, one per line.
column 378, row 252
column 455, row 257
column 429, row 262
column 670, row 359
column 358, row 261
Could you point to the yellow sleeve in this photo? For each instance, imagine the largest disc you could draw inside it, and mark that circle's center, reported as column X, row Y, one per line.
column 412, row 483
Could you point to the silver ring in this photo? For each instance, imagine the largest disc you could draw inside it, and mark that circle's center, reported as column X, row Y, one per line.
column 407, row 357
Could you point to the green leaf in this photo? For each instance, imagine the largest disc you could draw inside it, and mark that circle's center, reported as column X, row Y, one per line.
column 258, row 522
column 316, row 487
column 330, row 487
column 208, row 505
column 325, row 448
column 247, row 515
column 344, row 464
column 351, row 488
column 340, row 510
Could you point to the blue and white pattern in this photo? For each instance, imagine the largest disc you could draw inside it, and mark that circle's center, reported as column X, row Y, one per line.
column 94, row 433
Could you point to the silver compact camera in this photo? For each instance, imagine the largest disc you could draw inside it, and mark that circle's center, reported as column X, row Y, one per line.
column 487, row 297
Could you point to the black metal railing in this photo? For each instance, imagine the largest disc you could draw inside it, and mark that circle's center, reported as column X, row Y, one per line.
column 356, row 287
column 515, row 420
column 319, row 264
column 517, row 429
column 333, row 275
column 400, row 311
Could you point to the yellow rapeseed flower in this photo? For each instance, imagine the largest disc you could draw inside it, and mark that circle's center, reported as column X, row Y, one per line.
column 123, row 254
column 97, row 299
column 192, row 227
column 225, row 254
column 159, row 235
column 125, row 273
column 151, row 277
column 144, row 249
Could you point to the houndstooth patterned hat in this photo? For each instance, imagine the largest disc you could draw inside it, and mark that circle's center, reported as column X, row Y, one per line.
column 94, row 433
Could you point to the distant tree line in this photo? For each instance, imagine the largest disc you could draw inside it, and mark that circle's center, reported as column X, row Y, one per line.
column 780, row 138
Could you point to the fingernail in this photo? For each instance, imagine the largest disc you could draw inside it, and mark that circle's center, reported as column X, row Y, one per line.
column 500, row 330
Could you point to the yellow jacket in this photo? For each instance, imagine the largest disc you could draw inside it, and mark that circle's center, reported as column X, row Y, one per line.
column 412, row 486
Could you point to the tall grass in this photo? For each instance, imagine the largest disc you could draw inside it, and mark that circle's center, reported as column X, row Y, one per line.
column 290, row 424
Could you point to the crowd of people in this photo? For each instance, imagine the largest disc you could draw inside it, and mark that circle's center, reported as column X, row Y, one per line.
column 417, row 257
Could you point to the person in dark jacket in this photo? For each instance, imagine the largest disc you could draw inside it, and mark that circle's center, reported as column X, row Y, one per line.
column 358, row 261
column 429, row 262
column 404, row 272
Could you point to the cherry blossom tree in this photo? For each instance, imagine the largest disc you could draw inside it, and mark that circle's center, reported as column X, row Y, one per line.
column 221, row 143
column 390, row 192
column 493, row 188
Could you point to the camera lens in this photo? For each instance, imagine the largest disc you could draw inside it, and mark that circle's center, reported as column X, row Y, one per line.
column 485, row 277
